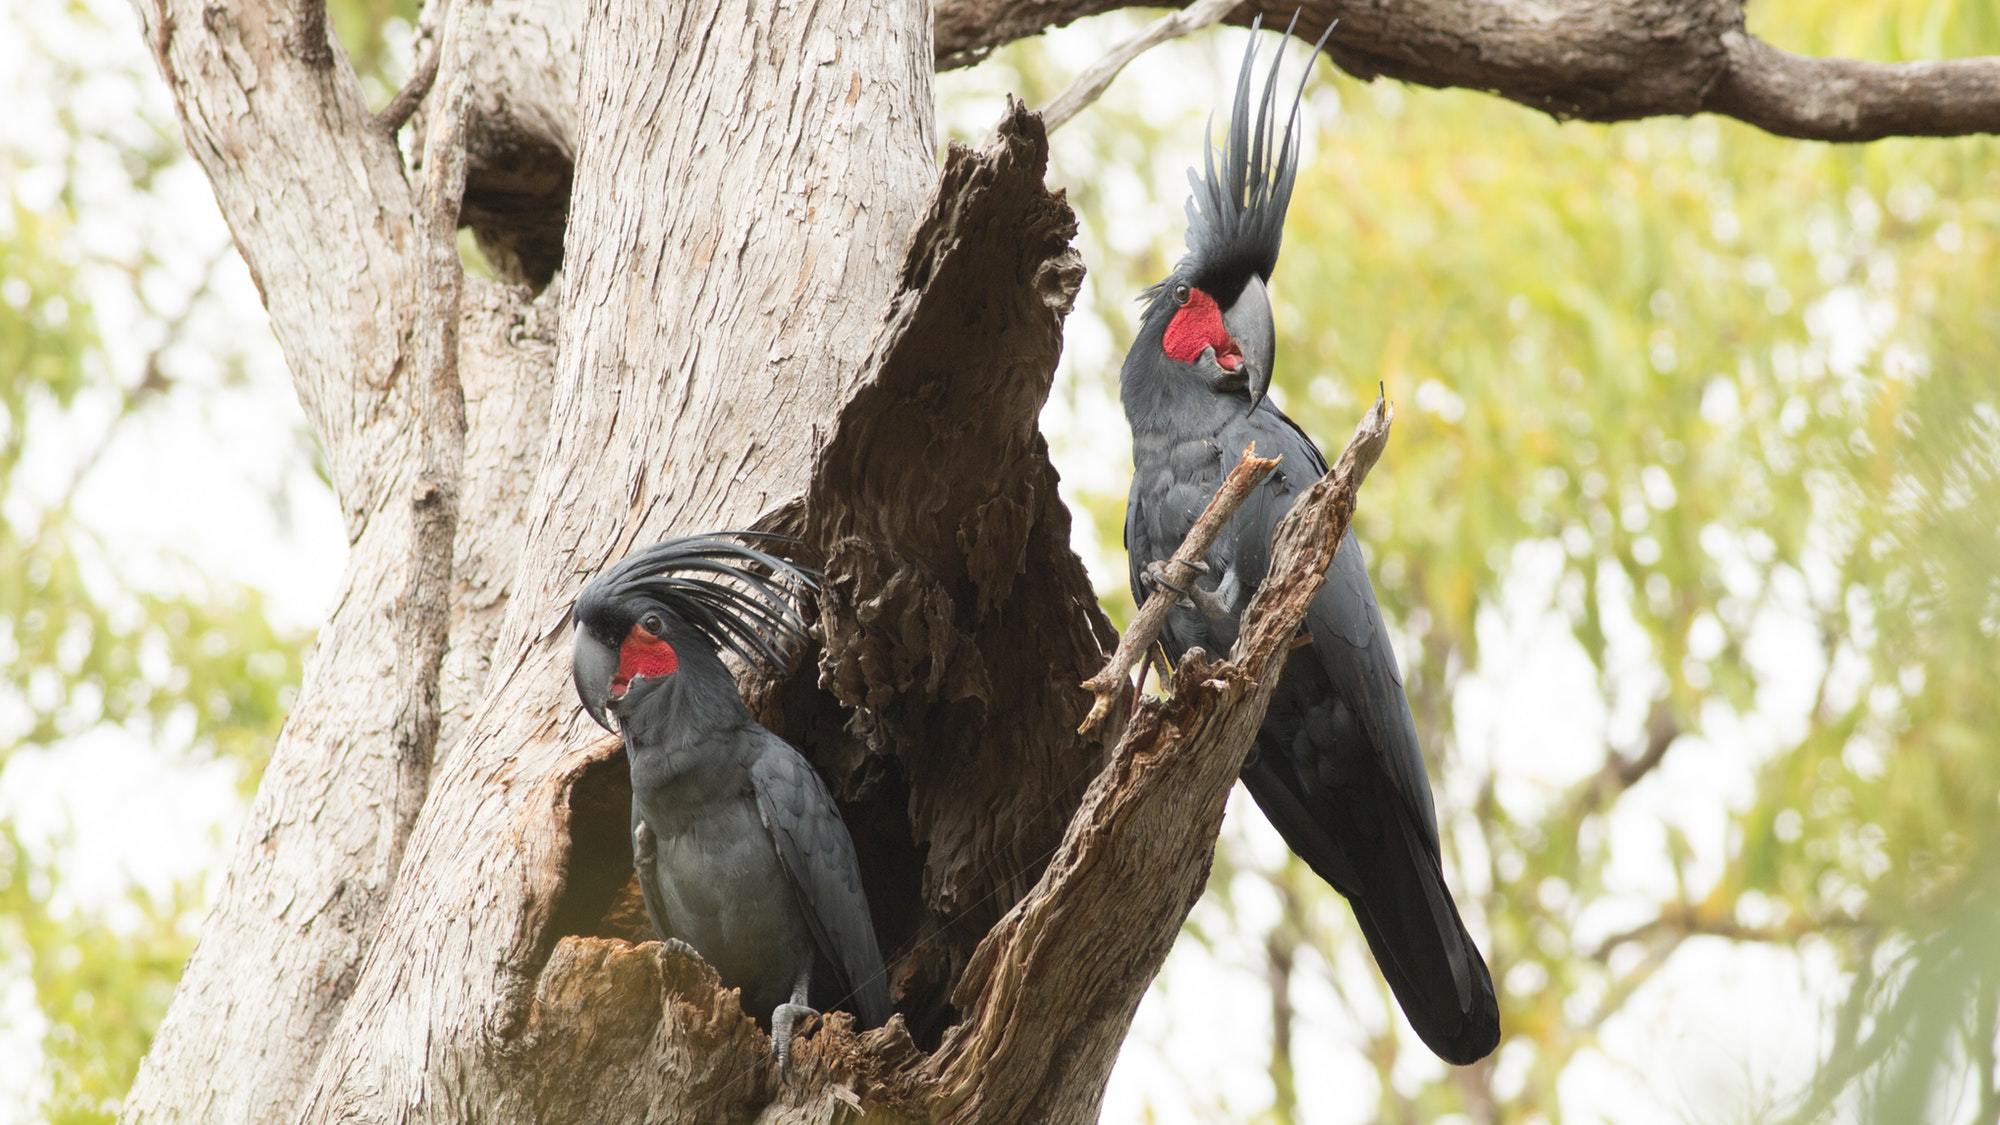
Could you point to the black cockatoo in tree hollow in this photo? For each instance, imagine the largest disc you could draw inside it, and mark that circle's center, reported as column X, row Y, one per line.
column 740, row 851
column 1336, row 766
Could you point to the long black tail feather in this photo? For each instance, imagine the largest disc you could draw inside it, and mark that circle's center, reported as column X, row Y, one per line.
column 1424, row 951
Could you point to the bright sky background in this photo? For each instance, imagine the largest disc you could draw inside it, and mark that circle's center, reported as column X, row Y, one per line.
column 189, row 491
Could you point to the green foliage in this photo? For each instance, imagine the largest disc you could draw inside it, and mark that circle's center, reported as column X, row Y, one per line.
column 367, row 29
column 92, row 638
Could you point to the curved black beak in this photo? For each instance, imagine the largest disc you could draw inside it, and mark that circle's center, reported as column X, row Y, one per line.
column 593, row 664
column 1249, row 323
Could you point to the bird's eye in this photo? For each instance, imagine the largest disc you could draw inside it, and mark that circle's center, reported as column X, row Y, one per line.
column 651, row 623
column 1181, row 294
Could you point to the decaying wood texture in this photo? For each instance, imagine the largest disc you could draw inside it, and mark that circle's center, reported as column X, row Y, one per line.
column 1111, row 682
column 953, row 601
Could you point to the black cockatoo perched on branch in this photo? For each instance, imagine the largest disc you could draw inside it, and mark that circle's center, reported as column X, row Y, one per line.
column 1336, row 766
column 740, row 850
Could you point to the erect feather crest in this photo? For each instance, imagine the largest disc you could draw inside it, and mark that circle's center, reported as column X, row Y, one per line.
column 1236, row 212
column 740, row 597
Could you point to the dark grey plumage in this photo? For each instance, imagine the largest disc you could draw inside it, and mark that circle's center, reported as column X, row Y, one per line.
column 741, row 852
column 1337, row 767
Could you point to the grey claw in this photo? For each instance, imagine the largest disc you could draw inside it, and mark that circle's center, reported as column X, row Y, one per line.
column 784, row 1022
column 1210, row 605
column 1156, row 576
column 676, row 945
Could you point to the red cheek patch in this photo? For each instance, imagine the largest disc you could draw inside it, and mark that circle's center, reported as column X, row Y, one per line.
column 1197, row 326
column 642, row 656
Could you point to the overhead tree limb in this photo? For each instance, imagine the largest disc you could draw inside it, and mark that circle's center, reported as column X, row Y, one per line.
column 1587, row 59
column 1851, row 100
column 1596, row 60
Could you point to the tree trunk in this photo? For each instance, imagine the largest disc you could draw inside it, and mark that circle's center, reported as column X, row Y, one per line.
column 772, row 308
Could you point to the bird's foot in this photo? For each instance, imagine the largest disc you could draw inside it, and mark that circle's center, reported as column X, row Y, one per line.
column 1204, row 601
column 676, row 945
column 644, row 848
column 1155, row 575
column 1211, row 607
column 785, row 1021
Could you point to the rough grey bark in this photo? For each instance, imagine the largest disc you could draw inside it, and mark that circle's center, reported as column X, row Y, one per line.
column 283, row 136
column 689, row 386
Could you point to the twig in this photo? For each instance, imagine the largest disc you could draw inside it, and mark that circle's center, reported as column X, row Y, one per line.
column 1308, row 538
column 1091, row 84
column 1621, row 772
column 1112, row 680
column 1676, row 922
column 400, row 108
